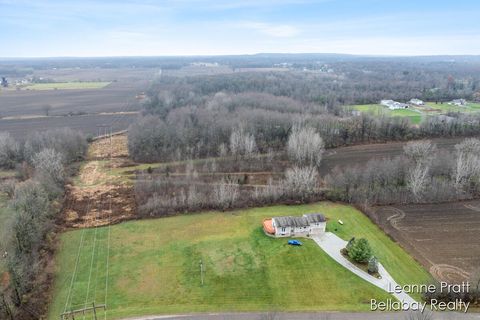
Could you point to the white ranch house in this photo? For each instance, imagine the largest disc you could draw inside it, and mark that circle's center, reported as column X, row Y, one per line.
column 394, row 105
column 416, row 102
column 311, row 224
column 458, row 102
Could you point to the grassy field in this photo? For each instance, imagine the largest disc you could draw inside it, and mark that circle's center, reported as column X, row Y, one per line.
column 4, row 213
column 66, row 85
column 445, row 107
column 154, row 265
column 378, row 110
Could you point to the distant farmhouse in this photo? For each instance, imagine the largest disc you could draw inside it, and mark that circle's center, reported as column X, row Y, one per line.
column 416, row 102
column 458, row 102
column 393, row 105
column 308, row 225
column 4, row 82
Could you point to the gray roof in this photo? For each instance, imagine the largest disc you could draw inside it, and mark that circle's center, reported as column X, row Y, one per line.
column 315, row 217
column 291, row 222
column 303, row 221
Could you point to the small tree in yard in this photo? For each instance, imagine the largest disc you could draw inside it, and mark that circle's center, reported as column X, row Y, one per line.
column 360, row 251
column 350, row 244
column 373, row 265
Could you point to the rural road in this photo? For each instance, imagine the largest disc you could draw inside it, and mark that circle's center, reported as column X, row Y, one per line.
column 313, row 316
column 332, row 245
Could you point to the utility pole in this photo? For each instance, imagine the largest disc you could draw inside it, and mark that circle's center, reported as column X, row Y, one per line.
column 201, row 271
column 93, row 308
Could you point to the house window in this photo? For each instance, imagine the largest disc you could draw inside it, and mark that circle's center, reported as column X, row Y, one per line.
column 283, row 229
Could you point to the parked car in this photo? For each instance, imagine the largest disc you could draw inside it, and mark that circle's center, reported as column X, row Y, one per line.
column 294, row 243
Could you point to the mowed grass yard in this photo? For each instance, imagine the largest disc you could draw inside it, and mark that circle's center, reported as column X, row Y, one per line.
column 66, row 85
column 445, row 107
column 154, row 265
column 379, row 110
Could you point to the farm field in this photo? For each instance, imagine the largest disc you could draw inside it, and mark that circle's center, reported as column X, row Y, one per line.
column 20, row 128
column 66, row 85
column 85, row 99
column 115, row 97
column 378, row 110
column 443, row 237
column 154, row 265
column 95, row 74
column 361, row 154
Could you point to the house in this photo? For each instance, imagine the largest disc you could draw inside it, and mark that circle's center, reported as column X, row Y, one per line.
column 458, row 102
column 393, row 105
column 4, row 82
column 416, row 102
column 312, row 224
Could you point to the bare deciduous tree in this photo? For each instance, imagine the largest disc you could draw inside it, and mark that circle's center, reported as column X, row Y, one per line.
column 226, row 193
column 417, row 178
column 420, row 151
column 467, row 167
column 300, row 182
column 46, row 108
column 49, row 165
column 242, row 143
column 305, row 146
column 421, row 155
column 9, row 151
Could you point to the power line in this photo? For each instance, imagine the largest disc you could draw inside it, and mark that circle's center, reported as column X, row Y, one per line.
column 91, row 262
column 109, row 228
column 76, row 263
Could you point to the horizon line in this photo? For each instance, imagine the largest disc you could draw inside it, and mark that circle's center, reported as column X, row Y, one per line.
column 238, row 55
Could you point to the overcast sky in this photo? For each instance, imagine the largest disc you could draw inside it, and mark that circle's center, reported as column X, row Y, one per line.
column 45, row 28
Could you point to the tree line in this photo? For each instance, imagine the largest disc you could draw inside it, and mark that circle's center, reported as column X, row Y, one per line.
column 423, row 174
column 193, row 132
column 162, row 193
column 34, row 200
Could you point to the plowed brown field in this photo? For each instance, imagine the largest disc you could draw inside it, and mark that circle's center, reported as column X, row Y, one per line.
column 443, row 237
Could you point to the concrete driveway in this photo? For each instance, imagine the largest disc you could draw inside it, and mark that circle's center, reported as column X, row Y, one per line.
column 332, row 244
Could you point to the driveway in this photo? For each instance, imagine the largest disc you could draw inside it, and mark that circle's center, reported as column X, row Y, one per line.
column 332, row 244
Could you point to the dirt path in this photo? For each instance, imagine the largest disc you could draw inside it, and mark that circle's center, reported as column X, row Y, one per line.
column 98, row 197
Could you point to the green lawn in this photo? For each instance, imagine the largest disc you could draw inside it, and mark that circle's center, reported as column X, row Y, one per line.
column 154, row 265
column 379, row 110
column 66, row 85
column 445, row 107
column 4, row 215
